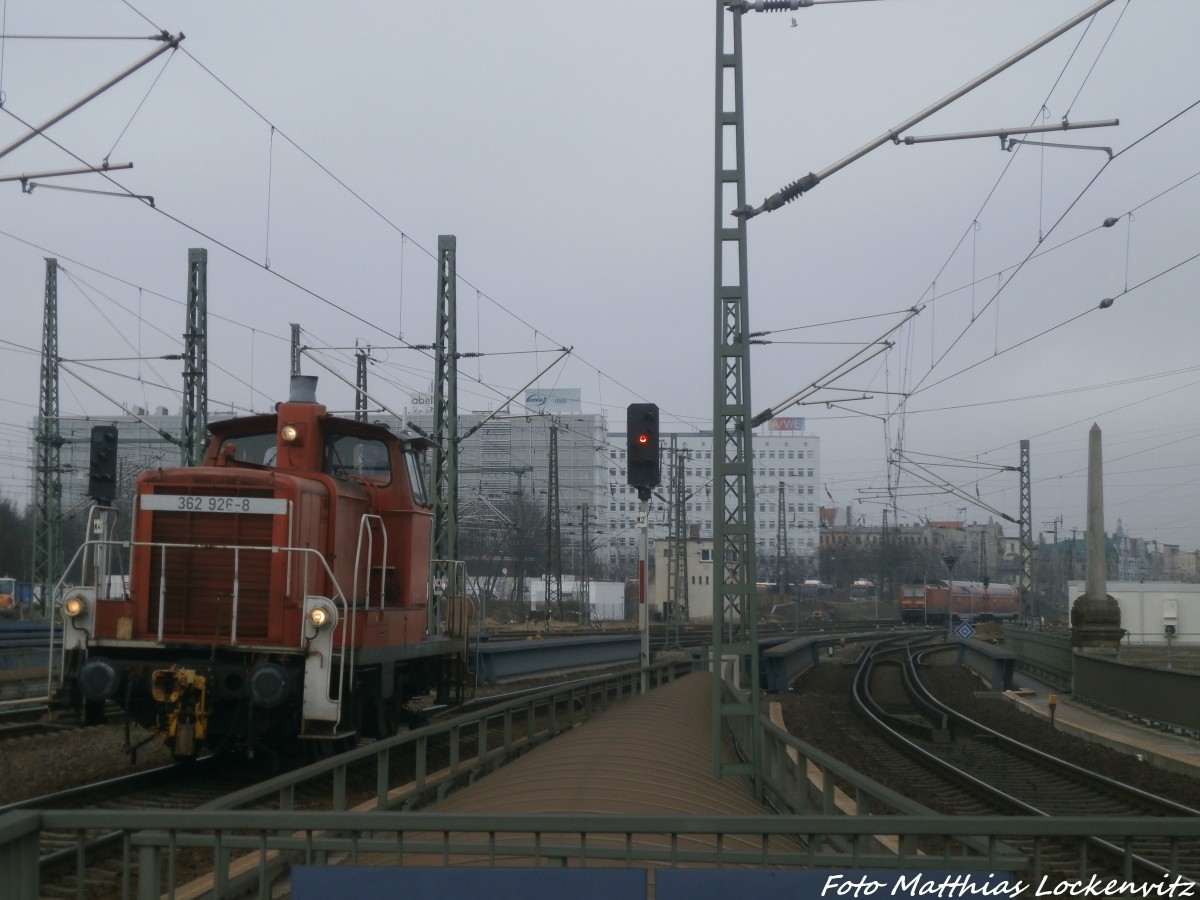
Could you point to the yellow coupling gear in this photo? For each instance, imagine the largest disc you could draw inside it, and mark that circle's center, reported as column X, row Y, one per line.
column 183, row 701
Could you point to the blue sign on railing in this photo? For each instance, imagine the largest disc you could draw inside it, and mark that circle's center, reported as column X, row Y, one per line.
column 421, row 883
column 552, row 883
column 852, row 884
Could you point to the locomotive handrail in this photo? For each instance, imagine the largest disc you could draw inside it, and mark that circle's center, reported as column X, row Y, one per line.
column 365, row 525
column 338, row 594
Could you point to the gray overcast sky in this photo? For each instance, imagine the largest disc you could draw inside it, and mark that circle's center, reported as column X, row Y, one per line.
column 569, row 147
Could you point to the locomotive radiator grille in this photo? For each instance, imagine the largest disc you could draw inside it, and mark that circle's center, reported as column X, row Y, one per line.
column 200, row 580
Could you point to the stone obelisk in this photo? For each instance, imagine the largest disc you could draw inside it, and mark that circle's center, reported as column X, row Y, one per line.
column 1096, row 616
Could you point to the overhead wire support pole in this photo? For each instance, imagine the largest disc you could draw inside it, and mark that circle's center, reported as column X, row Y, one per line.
column 361, row 357
column 735, row 613
column 445, row 416
column 47, row 555
column 585, row 567
column 553, row 529
column 195, row 361
column 1025, row 578
column 677, row 558
column 170, row 42
column 808, row 182
column 295, row 370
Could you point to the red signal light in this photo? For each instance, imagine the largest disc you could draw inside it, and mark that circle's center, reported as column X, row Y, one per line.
column 643, row 439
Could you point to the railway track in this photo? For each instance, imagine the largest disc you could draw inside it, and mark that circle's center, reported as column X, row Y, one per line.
column 166, row 787
column 962, row 767
column 106, row 868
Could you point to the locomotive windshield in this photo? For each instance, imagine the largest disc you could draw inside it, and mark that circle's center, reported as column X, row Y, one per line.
column 258, row 449
column 349, row 455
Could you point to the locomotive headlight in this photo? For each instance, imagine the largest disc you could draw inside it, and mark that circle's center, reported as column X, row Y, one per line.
column 289, row 433
column 322, row 615
column 78, row 610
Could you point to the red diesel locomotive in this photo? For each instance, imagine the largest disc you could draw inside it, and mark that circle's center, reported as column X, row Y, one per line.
column 278, row 590
column 972, row 600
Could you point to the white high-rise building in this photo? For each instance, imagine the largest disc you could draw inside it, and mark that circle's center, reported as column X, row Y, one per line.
column 784, row 454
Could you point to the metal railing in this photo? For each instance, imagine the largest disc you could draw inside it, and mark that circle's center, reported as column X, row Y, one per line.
column 830, row 817
column 465, row 748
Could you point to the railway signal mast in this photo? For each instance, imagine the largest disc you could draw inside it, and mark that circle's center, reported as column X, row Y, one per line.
column 644, row 472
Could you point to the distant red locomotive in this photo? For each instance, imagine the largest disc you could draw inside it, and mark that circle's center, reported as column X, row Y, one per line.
column 971, row 600
column 279, row 589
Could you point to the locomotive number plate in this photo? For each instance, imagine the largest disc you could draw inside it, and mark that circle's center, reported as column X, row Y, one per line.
column 189, row 503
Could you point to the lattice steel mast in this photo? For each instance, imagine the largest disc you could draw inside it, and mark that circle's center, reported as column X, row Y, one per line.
column 195, row 361
column 585, row 566
column 1025, row 579
column 553, row 529
column 360, row 384
column 295, row 349
column 445, row 414
column 47, row 556
column 781, row 547
column 735, row 614
column 677, row 592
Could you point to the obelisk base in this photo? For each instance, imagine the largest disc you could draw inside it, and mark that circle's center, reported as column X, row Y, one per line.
column 1096, row 624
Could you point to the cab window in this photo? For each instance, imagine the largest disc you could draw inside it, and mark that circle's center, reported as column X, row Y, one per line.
column 258, row 449
column 415, row 463
column 352, row 456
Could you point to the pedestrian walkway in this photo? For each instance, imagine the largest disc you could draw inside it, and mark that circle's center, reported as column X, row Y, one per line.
column 1174, row 753
column 649, row 756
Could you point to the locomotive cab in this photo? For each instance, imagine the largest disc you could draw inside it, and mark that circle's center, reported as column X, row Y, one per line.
column 279, row 589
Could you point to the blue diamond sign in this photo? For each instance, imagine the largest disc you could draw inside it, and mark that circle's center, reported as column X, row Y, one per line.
column 965, row 631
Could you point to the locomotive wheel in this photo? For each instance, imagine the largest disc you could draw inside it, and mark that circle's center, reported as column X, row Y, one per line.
column 94, row 712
